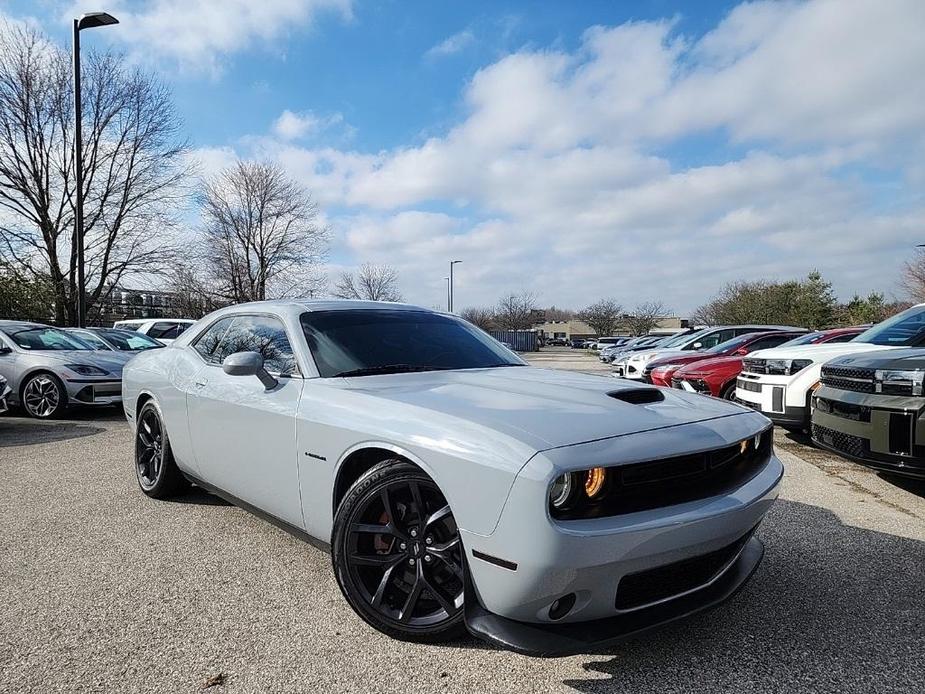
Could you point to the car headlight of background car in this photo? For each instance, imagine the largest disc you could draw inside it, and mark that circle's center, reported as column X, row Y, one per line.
column 786, row 367
column 86, row 369
column 898, row 382
column 609, row 491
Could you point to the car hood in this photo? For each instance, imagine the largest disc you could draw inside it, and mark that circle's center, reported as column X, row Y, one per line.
column 543, row 408
column 909, row 359
column 818, row 353
column 676, row 357
column 111, row 362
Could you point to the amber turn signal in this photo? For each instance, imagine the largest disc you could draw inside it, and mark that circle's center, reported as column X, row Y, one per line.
column 594, row 481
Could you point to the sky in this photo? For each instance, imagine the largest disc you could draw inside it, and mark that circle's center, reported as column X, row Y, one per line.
column 634, row 150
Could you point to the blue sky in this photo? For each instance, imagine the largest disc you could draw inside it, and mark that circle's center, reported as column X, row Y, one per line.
column 645, row 150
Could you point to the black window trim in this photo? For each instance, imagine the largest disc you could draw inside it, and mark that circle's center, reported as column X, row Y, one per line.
column 191, row 345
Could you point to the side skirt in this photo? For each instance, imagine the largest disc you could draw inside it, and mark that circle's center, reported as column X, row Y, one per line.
column 260, row 513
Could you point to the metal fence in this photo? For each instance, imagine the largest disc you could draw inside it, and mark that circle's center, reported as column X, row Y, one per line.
column 518, row 340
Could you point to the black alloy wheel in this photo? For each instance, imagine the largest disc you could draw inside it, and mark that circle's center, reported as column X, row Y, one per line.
column 398, row 555
column 157, row 473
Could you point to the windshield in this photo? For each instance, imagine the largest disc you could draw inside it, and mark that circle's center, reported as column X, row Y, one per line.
column 683, row 338
column 367, row 341
column 905, row 329
column 807, row 339
column 128, row 341
column 728, row 345
column 37, row 339
column 92, row 340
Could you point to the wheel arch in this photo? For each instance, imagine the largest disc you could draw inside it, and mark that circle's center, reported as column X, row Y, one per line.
column 362, row 457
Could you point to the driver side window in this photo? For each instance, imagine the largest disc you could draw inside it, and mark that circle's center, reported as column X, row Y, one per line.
column 209, row 342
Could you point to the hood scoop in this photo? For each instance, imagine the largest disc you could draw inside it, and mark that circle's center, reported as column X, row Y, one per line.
column 638, row 396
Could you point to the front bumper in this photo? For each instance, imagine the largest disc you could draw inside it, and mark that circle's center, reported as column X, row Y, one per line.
column 552, row 640
column 94, row 391
column 883, row 432
column 547, row 559
column 631, row 370
column 770, row 398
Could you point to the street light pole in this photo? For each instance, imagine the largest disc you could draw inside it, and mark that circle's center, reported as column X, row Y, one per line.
column 447, row 293
column 85, row 21
column 452, row 263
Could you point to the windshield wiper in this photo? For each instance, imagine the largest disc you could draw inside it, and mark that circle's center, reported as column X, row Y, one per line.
column 388, row 369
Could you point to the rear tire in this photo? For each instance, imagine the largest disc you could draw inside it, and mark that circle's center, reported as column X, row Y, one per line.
column 398, row 556
column 155, row 468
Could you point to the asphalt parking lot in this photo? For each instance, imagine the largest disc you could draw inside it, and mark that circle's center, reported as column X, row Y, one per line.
column 103, row 589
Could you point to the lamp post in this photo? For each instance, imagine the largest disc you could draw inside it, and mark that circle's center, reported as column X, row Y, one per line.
column 447, row 293
column 85, row 21
column 451, row 297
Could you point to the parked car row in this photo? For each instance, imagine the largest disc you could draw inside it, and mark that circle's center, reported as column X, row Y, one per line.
column 858, row 391
column 45, row 370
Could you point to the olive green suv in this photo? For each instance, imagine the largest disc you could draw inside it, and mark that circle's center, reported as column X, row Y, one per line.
column 871, row 408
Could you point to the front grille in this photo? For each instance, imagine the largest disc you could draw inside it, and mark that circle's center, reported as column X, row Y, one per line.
column 665, row 582
column 679, row 479
column 844, row 378
column 755, row 366
column 845, row 443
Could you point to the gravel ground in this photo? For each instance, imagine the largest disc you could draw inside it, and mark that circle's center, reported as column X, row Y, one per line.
column 103, row 589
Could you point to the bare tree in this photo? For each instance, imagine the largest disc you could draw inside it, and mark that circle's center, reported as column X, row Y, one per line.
column 603, row 316
column 192, row 296
column 515, row 311
column 480, row 317
column 261, row 236
column 913, row 276
column 645, row 317
column 133, row 169
column 371, row 282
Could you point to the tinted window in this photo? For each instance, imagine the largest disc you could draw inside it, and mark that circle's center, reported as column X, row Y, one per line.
column 807, row 339
column 128, row 341
column 46, row 339
column 389, row 341
column 207, row 343
column 166, row 330
column 262, row 334
column 93, row 340
column 846, row 337
column 768, row 342
column 905, row 329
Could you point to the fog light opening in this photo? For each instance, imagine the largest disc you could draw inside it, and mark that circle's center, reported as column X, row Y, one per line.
column 562, row 606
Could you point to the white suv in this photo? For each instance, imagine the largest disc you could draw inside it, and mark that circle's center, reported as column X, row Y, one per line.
column 780, row 382
column 164, row 330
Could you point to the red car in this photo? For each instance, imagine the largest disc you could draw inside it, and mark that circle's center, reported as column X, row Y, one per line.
column 717, row 375
column 660, row 371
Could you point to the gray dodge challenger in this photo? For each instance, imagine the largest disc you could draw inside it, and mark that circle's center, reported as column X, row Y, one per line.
column 455, row 486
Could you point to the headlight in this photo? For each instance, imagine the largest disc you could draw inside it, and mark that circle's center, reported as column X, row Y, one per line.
column 896, row 382
column 85, row 369
column 667, row 367
column 599, row 492
column 786, row 367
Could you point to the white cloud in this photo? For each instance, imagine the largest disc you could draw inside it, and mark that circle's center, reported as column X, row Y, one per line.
column 200, row 34
column 452, row 44
column 569, row 172
column 294, row 126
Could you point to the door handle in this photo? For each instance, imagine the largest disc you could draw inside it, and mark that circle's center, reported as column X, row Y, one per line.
column 200, row 384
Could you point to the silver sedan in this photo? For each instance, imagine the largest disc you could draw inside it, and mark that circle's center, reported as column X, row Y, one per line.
column 49, row 370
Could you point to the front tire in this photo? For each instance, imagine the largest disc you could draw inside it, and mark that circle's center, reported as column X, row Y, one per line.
column 44, row 396
column 156, row 471
column 729, row 392
column 397, row 554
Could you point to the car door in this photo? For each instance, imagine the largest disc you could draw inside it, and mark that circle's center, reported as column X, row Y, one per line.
column 243, row 434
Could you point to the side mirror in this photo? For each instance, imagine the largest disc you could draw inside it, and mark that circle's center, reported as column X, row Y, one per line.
column 248, row 364
column 697, row 345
